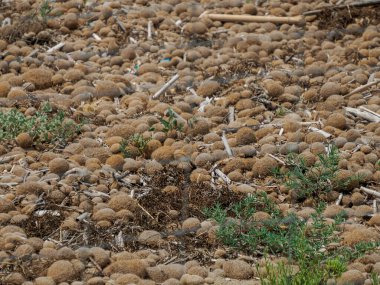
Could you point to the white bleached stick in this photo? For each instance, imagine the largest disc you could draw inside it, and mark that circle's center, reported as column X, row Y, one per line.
column 231, row 114
column 226, row 145
column 362, row 88
column 339, row 199
column 56, row 47
column 363, row 114
column 150, row 23
column 369, row 111
column 370, row 191
column 166, row 86
column 96, row 37
column 323, row 133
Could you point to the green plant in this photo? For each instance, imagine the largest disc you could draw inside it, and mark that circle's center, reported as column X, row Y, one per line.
column 45, row 126
column 171, row 124
column 312, row 181
column 375, row 280
column 138, row 141
column 240, row 228
column 45, row 9
column 302, row 243
column 281, row 111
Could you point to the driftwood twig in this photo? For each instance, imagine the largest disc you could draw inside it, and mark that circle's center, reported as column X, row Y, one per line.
column 256, row 19
column 370, row 191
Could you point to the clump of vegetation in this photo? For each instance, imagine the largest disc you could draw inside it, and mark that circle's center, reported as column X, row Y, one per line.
column 137, row 141
column 321, row 178
column 45, row 126
column 302, row 242
column 171, row 124
column 45, row 9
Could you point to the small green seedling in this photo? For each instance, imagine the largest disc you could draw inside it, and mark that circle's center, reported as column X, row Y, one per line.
column 171, row 124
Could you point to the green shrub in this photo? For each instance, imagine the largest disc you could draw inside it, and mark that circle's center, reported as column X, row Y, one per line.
column 302, row 243
column 313, row 181
column 45, row 126
column 138, row 141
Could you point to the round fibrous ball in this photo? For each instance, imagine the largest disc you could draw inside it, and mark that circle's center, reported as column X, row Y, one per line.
column 337, row 120
column 237, row 269
column 164, row 154
column 116, row 162
column 329, row 88
column 245, row 136
column 313, row 137
column 107, row 88
column 273, row 88
column 352, row 277
column 360, row 235
column 58, row 166
column 208, row 88
column 195, row 28
column 5, row 87
column 121, row 130
column 61, row 271
column 264, row 166
column 150, row 237
column 40, row 77
column 121, row 202
column 24, row 140
column 199, row 127
column 71, row 21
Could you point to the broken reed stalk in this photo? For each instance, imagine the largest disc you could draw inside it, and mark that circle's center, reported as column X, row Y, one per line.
column 299, row 20
column 56, row 47
column 370, row 191
column 226, row 145
column 166, row 86
column 150, row 23
column 362, row 88
column 231, row 114
column 322, row 132
column 339, row 199
column 369, row 111
column 369, row 116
